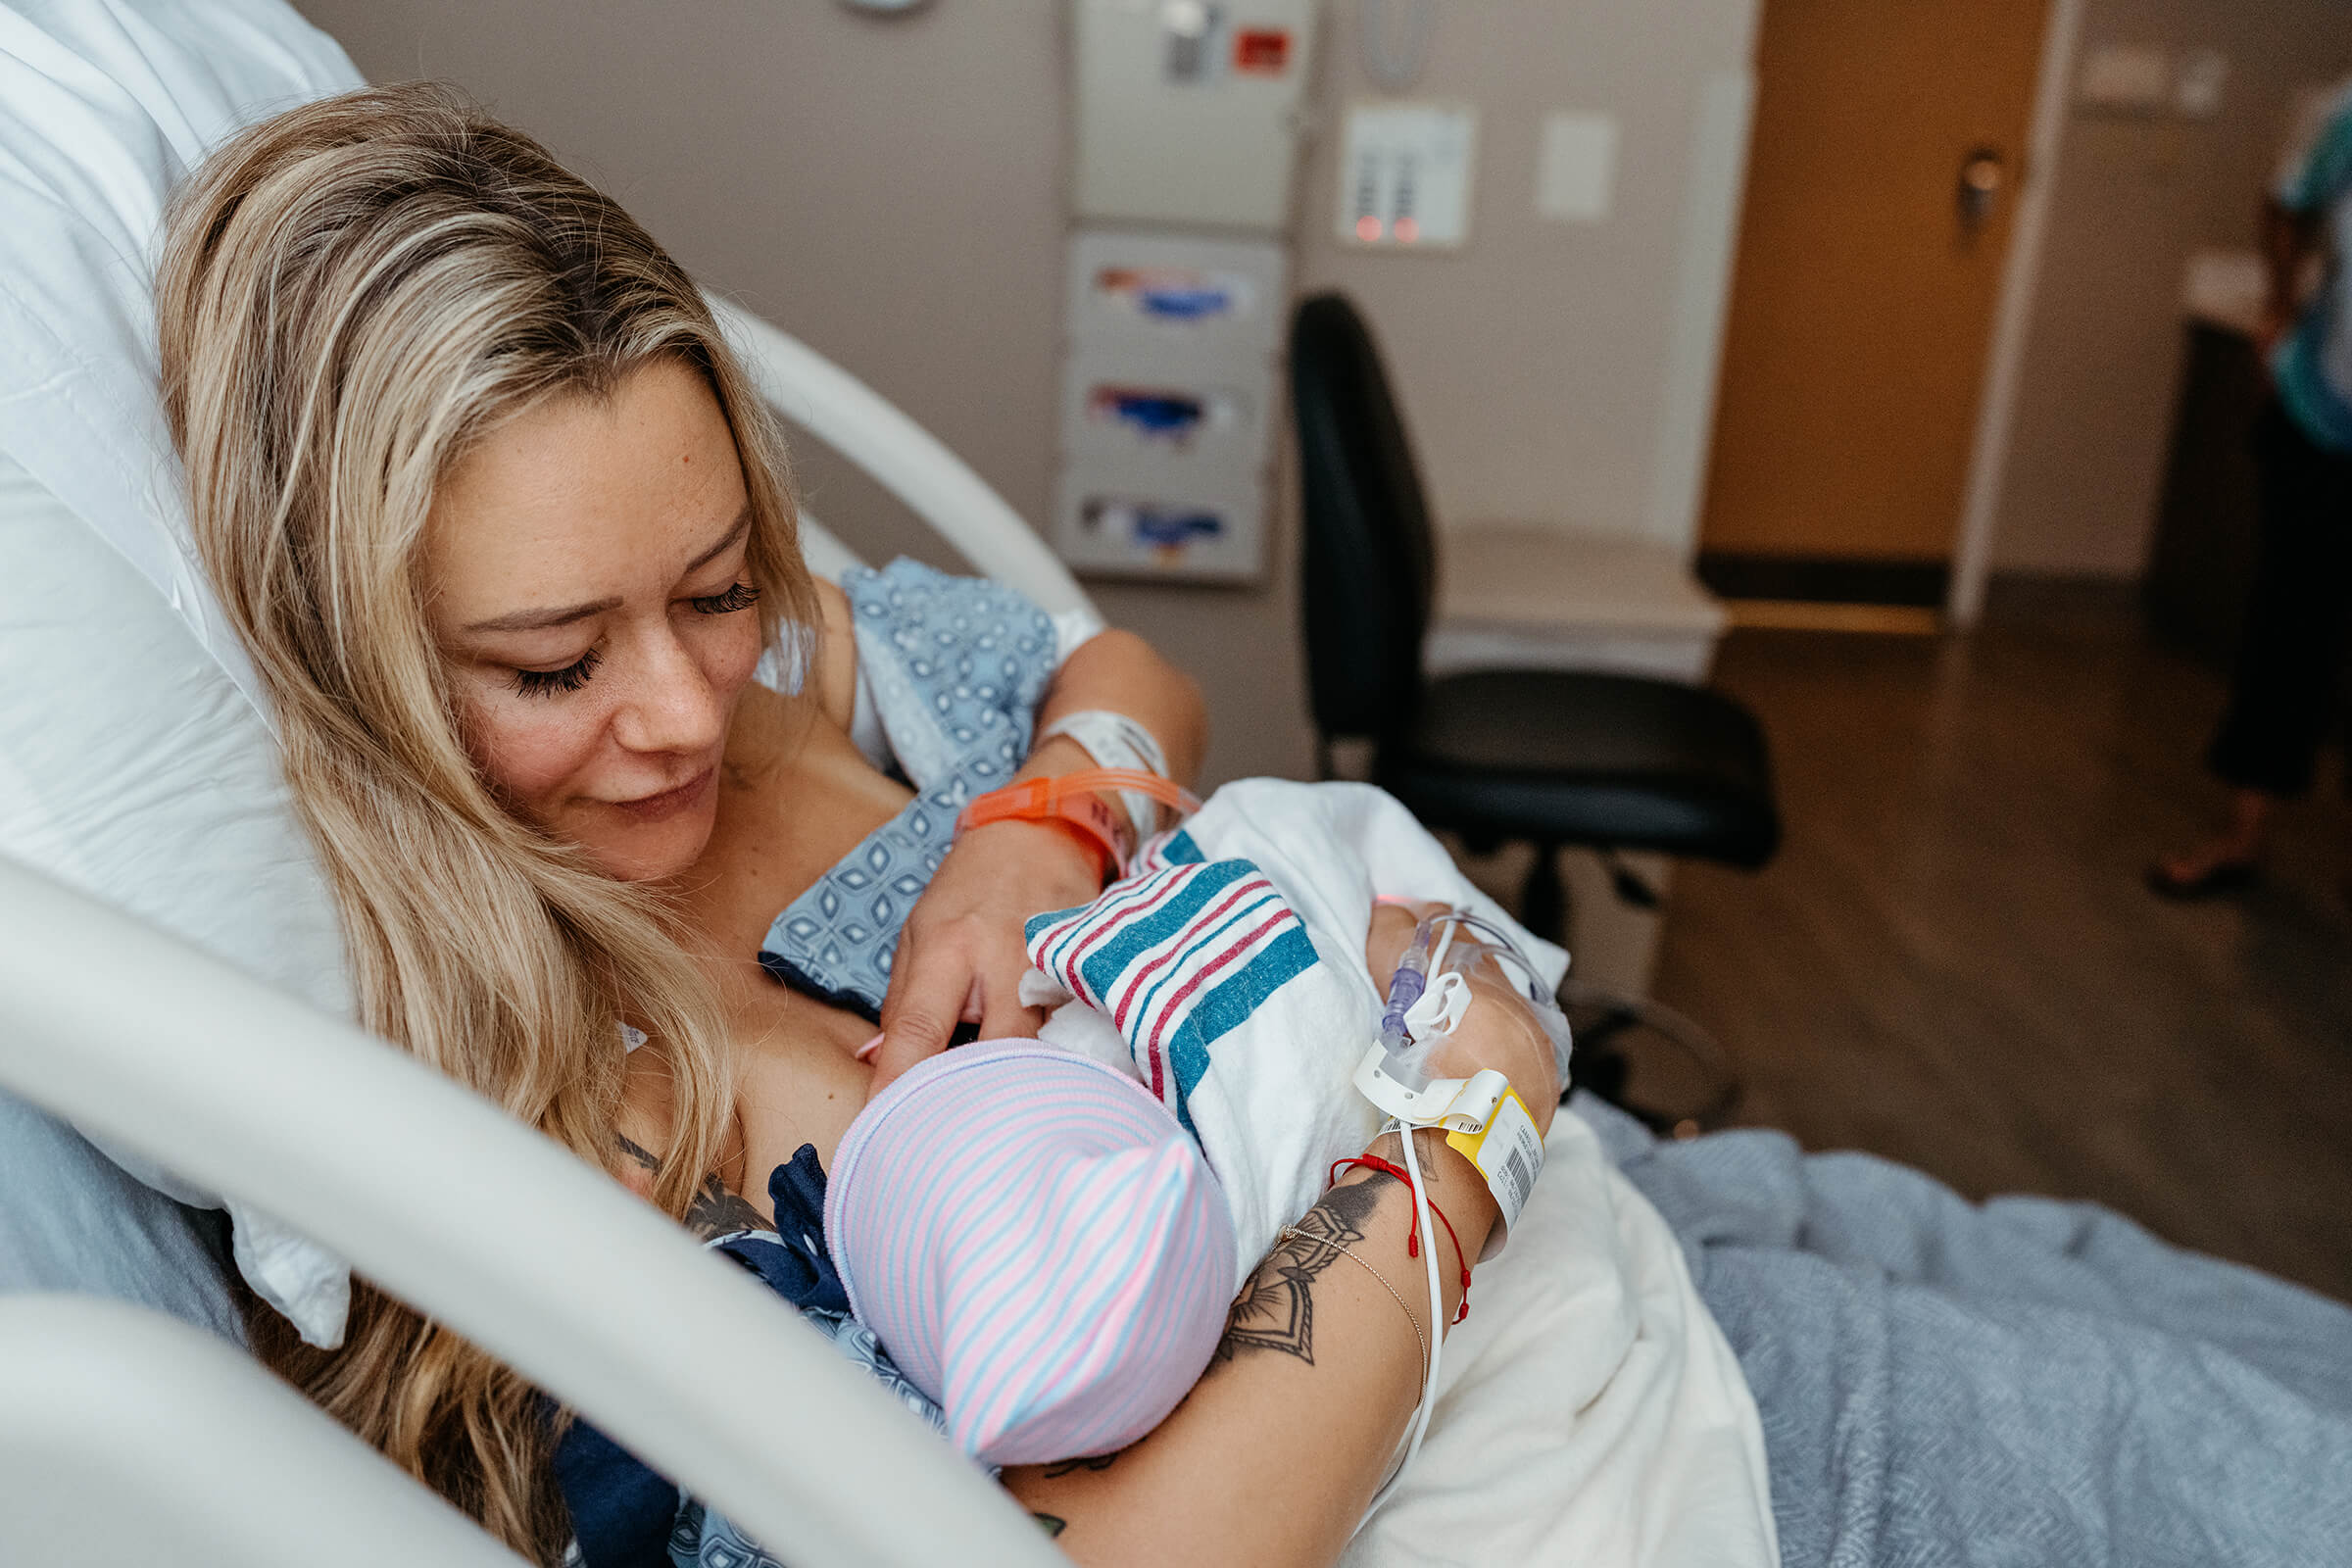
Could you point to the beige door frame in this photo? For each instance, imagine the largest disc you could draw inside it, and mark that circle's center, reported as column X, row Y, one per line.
column 2013, row 310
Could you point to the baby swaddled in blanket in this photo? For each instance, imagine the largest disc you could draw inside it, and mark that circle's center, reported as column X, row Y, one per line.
column 1045, row 1236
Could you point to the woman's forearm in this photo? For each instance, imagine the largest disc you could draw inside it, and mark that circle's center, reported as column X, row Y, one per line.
column 1276, row 1453
column 1120, row 672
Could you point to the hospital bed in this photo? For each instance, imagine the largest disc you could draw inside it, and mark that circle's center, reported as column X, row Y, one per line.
column 129, row 1435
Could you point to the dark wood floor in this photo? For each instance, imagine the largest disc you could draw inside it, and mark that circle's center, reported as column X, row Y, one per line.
column 1953, row 961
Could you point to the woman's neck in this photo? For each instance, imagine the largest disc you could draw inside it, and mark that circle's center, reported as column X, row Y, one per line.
column 794, row 796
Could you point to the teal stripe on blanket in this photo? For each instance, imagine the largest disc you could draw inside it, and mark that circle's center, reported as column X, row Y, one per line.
column 1229, row 1007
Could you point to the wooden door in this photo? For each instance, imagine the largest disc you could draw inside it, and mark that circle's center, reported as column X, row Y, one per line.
column 1863, row 298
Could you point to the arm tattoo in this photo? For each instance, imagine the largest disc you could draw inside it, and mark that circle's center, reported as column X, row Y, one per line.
column 716, row 1212
column 1051, row 1525
column 1276, row 1309
column 1070, row 1467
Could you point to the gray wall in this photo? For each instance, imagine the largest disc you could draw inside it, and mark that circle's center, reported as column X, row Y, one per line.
column 892, row 192
column 2135, row 198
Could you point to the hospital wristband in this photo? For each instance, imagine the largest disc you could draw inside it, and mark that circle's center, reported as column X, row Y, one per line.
column 1115, row 741
column 1507, row 1153
column 1073, row 801
column 1077, row 811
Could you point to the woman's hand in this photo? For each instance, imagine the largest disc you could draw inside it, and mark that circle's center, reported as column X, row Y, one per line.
column 1500, row 1030
column 961, row 957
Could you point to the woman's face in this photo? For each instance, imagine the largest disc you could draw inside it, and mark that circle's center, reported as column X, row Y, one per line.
column 584, row 569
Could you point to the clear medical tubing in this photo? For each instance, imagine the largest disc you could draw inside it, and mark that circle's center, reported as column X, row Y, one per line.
column 1407, row 1055
column 1439, row 947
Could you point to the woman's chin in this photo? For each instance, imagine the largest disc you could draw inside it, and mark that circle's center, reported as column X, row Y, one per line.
column 649, row 851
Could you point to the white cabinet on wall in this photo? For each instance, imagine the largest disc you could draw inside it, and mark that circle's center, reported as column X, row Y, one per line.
column 1169, row 388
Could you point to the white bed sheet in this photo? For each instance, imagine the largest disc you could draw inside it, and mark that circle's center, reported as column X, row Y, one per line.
column 1590, row 1412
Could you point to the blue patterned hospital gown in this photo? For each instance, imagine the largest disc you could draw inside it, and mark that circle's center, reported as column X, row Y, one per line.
column 956, row 666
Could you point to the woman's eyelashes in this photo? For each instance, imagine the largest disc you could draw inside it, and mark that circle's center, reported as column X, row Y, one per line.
column 742, row 596
column 575, row 676
column 547, row 682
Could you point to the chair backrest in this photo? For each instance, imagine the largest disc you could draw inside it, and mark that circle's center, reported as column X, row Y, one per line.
column 1370, row 574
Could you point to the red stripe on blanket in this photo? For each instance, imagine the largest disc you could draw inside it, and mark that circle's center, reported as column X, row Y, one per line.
column 1211, row 967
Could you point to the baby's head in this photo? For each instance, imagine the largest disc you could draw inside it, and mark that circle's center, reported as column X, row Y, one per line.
column 1037, row 1243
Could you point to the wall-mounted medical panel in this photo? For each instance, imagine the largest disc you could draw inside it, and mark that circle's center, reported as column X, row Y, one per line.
column 1131, row 523
column 1169, row 381
column 1180, row 300
column 1187, row 110
column 1120, row 407
column 1405, row 176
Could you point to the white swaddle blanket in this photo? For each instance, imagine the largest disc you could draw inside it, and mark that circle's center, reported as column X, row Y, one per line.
column 1589, row 1411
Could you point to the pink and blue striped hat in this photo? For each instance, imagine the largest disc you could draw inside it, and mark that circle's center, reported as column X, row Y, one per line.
column 1038, row 1245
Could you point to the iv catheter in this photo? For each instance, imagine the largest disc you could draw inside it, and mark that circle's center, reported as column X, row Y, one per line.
column 1477, row 1112
column 1404, row 1055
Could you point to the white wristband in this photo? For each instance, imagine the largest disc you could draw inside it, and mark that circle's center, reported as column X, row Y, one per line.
column 1113, row 740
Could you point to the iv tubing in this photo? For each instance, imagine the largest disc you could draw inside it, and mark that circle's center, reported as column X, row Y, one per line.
column 1437, row 1301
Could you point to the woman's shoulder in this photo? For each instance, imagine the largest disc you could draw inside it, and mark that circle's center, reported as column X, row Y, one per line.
column 836, row 684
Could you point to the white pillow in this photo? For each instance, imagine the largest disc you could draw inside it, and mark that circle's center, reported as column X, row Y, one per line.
column 134, row 761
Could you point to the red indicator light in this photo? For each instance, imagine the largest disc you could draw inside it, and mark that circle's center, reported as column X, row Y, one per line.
column 1263, row 50
column 1407, row 230
column 1367, row 229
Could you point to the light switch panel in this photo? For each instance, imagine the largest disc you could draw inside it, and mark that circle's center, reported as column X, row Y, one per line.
column 1576, row 167
column 2126, row 77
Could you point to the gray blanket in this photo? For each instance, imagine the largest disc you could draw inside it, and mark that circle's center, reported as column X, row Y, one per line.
column 2018, row 1382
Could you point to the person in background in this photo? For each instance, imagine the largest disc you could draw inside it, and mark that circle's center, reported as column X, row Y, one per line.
column 2283, row 694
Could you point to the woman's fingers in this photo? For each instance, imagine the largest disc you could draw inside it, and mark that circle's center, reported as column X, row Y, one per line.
column 1002, row 1015
column 928, row 992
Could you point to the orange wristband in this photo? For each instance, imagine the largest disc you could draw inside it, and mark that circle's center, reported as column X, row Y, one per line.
column 1074, row 802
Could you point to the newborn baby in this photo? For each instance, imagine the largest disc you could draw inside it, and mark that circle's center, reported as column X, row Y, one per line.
column 1046, row 1235
column 1038, row 1245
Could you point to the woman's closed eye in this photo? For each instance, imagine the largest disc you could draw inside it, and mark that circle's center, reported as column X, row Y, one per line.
column 549, row 683
column 742, row 596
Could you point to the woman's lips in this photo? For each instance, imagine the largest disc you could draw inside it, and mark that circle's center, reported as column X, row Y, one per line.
column 671, row 803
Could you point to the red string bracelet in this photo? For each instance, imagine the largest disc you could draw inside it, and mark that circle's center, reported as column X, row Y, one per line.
column 1412, row 1235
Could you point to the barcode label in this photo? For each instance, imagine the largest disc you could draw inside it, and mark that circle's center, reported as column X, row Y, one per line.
column 1510, row 1153
column 1522, row 1180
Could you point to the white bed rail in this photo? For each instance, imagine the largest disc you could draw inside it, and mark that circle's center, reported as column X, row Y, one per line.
column 128, row 1436
column 909, row 461
column 485, row 1225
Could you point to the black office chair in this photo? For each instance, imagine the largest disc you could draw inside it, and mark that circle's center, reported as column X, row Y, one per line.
column 1554, row 757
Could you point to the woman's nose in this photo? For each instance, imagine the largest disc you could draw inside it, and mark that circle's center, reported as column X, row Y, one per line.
column 672, row 706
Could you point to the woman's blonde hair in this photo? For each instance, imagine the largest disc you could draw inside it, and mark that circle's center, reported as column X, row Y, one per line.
column 351, row 294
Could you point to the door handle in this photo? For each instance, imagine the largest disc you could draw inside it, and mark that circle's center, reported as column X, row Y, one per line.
column 1983, row 174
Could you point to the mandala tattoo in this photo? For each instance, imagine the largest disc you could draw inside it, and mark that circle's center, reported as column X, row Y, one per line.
column 716, row 1212
column 1276, row 1309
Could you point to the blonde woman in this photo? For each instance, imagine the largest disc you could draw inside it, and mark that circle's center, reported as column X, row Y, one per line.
column 507, row 536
